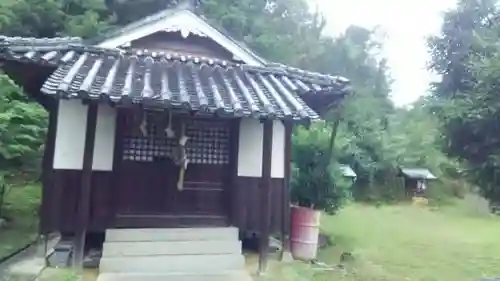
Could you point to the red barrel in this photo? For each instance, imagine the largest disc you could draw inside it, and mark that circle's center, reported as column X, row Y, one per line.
column 304, row 234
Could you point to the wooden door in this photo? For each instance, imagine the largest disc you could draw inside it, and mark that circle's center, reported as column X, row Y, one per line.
column 146, row 182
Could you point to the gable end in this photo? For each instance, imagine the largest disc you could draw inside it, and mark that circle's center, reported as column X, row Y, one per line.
column 185, row 22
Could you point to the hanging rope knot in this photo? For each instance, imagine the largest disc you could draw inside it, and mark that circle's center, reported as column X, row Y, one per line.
column 140, row 120
column 144, row 126
column 169, row 131
column 180, row 159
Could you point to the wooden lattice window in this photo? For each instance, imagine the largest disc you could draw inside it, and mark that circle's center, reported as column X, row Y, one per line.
column 208, row 141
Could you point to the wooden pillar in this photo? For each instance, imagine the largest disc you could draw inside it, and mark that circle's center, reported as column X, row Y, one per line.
column 117, row 158
column 47, row 221
column 233, row 190
column 265, row 195
column 285, row 222
column 83, row 209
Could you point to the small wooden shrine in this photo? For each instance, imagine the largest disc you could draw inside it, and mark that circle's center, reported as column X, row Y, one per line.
column 416, row 180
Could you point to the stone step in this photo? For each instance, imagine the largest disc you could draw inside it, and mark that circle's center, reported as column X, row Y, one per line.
column 197, row 247
column 226, row 276
column 192, row 264
column 171, row 234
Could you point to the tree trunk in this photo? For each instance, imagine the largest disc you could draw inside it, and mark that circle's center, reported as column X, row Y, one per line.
column 333, row 135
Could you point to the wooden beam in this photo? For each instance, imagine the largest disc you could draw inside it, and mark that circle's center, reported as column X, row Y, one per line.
column 265, row 195
column 83, row 209
column 285, row 222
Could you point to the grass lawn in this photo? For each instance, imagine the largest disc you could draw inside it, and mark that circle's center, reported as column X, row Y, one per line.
column 21, row 205
column 395, row 243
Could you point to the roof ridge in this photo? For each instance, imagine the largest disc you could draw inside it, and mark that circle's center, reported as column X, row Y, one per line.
column 40, row 41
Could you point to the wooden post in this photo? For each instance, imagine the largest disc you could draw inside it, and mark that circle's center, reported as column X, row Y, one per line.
column 265, row 192
column 83, row 209
column 46, row 215
column 232, row 198
column 285, row 222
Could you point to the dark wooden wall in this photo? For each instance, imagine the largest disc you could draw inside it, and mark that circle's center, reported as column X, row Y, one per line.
column 61, row 189
column 61, row 198
column 247, row 216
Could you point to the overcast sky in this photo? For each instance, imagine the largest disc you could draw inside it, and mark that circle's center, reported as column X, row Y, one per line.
column 406, row 24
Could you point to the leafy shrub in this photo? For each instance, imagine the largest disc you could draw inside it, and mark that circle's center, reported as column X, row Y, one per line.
column 316, row 182
column 4, row 189
column 23, row 125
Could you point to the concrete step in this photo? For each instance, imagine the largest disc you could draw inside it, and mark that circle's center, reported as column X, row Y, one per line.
column 157, row 248
column 192, row 264
column 171, row 234
column 226, row 276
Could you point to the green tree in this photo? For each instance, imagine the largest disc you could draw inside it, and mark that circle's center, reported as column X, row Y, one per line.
column 450, row 50
column 466, row 99
column 50, row 18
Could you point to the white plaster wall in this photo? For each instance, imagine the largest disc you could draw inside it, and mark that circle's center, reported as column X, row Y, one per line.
column 250, row 149
column 70, row 136
column 278, row 160
column 104, row 139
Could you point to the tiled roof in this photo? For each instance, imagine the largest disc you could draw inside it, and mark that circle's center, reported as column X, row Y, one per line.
column 418, row 173
column 190, row 83
column 173, row 80
column 347, row 171
column 39, row 50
